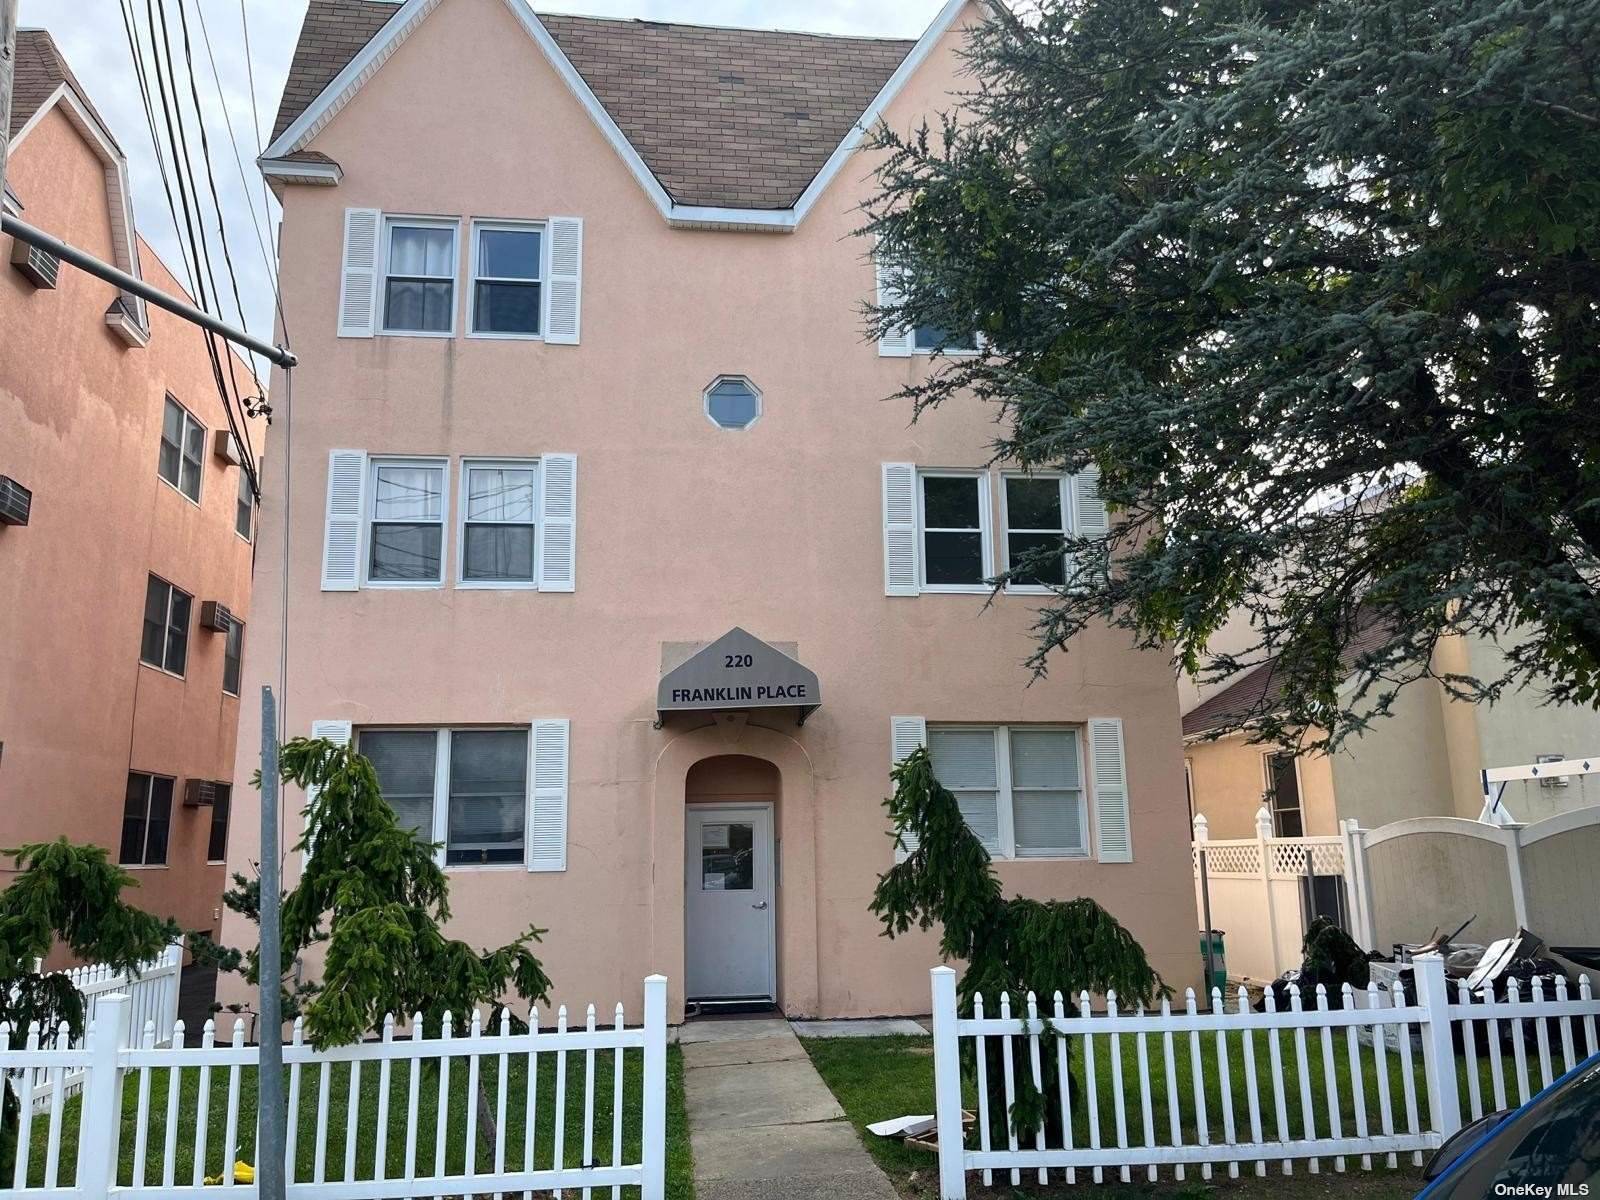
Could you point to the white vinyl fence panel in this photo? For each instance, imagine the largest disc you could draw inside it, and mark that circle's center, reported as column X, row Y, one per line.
column 152, row 993
column 159, row 1087
column 1322, row 1086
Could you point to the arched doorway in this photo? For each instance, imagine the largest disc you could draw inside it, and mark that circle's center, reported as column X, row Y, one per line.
column 730, row 880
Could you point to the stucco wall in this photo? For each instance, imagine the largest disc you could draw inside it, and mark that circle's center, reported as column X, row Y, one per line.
column 1228, row 780
column 1399, row 767
column 80, row 425
column 684, row 530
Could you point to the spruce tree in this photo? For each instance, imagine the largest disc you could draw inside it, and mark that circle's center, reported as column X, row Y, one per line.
column 1013, row 946
column 1315, row 285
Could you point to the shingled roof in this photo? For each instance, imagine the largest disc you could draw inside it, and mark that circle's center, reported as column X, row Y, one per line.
column 733, row 118
column 1259, row 692
column 40, row 69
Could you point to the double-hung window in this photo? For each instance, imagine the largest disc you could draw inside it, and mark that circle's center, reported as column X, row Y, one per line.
column 146, row 820
column 233, row 657
column 1020, row 788
column 217, row 837
column 1037, row 511
column 925, row 339
column 183, row 443
column 405, row 536
column 165, row 643
column 954, row 510
column 499, row 523
column 244, row 510
column 466, row 789
column 507, row 279
column 419, row 280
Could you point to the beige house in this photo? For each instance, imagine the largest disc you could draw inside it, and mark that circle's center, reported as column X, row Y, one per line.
column 1426, row 760
column 603, row 542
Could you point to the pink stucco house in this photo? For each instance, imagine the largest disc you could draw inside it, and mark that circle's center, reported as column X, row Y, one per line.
column 603, row 542
column 126, row 527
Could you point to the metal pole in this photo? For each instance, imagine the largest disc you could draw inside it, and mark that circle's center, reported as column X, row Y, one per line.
column 24, row 232
column 1205, row 915
column 8, row 66
column 269, row 1075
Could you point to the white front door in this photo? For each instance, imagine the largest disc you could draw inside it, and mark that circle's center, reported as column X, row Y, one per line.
column 729, row 903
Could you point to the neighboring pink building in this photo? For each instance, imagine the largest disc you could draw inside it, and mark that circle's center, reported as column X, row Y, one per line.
column 586, row 397
column 123, row 522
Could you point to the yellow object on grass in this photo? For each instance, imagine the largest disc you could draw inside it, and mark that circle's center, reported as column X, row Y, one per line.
column 243, row 1172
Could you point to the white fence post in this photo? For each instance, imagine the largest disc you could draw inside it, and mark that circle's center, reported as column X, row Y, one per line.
column 1438, row 1052
column 1263, row 841
column 947, row 1086
column 654, row 1186
column 102, row 1098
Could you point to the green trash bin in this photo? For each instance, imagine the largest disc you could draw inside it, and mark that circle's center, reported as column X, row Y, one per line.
column 1218, row 968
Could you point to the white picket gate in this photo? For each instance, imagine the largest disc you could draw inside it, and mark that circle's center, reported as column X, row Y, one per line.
column 1183, row 1065
column 120, row 1081
column 152, row 992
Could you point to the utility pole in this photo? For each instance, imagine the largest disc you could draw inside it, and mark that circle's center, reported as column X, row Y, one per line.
column 269, row 1073
column 8, row 70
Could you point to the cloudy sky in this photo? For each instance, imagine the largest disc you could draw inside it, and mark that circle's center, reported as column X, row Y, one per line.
column 90, row 34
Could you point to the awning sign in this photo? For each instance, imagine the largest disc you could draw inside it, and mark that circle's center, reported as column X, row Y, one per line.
column 738, row 671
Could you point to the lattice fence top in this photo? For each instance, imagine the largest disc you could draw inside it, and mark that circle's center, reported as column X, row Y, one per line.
column 1287, row 857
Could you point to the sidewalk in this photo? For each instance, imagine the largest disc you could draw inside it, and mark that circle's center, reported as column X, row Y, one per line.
column 762, row 1122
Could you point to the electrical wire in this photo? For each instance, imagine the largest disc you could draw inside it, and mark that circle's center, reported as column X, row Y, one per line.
column 255, row 128
column 189, row 199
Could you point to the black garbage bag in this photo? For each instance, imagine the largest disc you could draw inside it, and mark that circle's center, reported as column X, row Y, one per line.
column 1329, row 956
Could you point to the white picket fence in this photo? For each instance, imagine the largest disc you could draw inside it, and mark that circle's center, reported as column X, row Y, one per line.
column 1172, row 1104
column 120, row 1082
column 152, row 992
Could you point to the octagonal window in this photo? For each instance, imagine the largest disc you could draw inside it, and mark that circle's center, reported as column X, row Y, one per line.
column 732, row 402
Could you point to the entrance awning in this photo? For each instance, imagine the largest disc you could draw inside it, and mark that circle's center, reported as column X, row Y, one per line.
column 737, row 672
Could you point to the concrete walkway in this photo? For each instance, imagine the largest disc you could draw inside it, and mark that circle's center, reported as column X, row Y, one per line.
column 763, row 1124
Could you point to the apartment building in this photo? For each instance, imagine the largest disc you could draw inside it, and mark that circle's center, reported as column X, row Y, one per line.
column 606, row 544
column 126, row 527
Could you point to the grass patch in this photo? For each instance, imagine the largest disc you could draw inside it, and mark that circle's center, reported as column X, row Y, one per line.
column 878, row 1078
column 349, row 1141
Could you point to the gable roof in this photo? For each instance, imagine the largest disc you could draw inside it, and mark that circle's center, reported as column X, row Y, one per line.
column 723, row 127
column 42, row 81
column 1259, row 691
column 39, row 69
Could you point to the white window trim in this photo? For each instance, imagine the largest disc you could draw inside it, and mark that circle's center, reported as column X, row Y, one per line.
column 200, row 488
column 254, row 515
column 172, row 590
column 517, row 226
column 946, row 352
column 380, row 317
column 985, row 528
column 369, row 505
column 1003, row 541
column 1269, row 787
column 149, row 790
column 1005, row 820
column 234, row 623
column 496, row 585
column 439, row 835
column 761, row 403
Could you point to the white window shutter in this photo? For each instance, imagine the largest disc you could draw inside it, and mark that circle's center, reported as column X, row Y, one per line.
column 337, row 732
column 564, row 291
column 905, row 735
column 902, row 570
column 547, row 801
column 1088, row 509
column 341, row 541
column 895, row 343
column 358, row 278
column 558, row 523
column 1108, row 767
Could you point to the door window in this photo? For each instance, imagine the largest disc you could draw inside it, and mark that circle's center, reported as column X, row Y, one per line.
column 727, row 856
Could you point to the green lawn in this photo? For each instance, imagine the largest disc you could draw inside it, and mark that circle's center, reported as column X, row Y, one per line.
column 878, row 1078
column 364, row 1130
